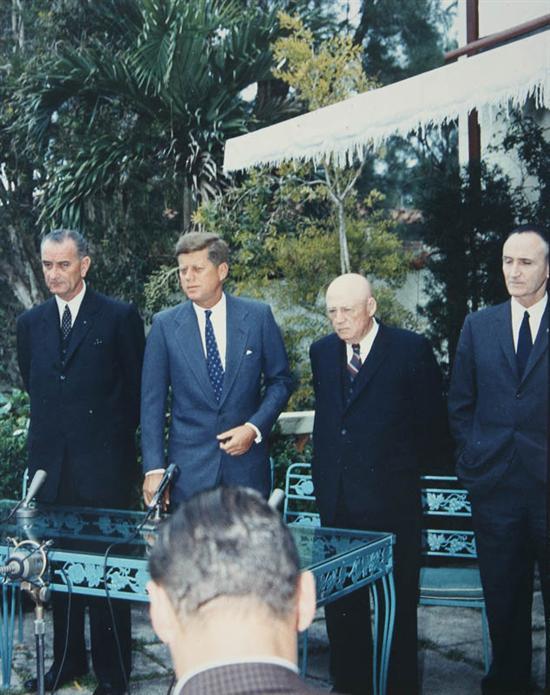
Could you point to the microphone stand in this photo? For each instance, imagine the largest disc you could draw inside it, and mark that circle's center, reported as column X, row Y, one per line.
column 40, row 595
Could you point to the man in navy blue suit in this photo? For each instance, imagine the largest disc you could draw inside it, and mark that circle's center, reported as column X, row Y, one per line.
column 379, row 416
column 498, row 407
column 224, row 360
column 80, row 356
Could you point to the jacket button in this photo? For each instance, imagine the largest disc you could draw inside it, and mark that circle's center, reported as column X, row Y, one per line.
column 518, row 394
column 344, row 432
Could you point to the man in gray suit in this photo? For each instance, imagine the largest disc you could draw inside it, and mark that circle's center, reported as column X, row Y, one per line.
column 224, row 360
column 227, row 596
column 498, row 405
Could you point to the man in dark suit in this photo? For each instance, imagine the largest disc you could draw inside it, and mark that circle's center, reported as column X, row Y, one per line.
column 378, row 416
column 498, row 407
column 227, row 596
column 80, row 356
column 224, row 360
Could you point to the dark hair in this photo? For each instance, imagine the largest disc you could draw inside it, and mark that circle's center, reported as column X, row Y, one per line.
column 226, row 542
column 218, row 250
column 534, row 229
column 58, row 236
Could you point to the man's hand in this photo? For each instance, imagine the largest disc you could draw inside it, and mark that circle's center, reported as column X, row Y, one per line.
column 150, row 485
column 237, row 440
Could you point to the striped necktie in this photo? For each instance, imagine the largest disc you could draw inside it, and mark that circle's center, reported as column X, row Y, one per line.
column 354, row 365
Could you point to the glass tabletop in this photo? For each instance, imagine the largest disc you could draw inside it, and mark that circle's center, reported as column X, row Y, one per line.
column 92, row 530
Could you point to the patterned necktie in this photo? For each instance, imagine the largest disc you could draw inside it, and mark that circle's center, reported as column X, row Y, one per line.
column 66, row 323
column 213, row 361
column 354, row 365
column 525, row 343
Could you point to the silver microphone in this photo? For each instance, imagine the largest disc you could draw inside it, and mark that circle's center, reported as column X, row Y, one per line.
column 38, row 480
column 169, row 473
column 276, row 498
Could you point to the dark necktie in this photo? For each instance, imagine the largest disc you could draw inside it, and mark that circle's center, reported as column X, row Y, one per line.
column 66, row 323
column 213, row 361
column 525, row 343
column 354, row 365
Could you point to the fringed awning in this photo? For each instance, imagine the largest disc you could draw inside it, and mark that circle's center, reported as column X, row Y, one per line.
column 504, row 76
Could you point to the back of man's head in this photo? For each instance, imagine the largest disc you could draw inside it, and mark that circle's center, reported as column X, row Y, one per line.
column 226, row 556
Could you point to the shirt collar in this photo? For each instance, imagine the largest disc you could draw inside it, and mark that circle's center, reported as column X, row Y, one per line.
column 217, row 309
column 73, row 304
column 366, row 343
column 535, row 311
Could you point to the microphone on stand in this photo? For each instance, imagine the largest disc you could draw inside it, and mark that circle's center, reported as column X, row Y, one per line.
column 23, row 511
column 276, row 498
column 22, row 508
column 170, row 472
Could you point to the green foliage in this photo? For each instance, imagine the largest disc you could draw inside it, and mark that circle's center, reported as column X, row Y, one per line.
column 323, row 74
column 467, row 215
column 527, row 137
column 14, row 424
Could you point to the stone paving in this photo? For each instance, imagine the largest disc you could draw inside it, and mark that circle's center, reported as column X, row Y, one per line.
column 450, row 656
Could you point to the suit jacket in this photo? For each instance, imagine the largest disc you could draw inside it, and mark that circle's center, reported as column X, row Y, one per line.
column 85, row 409
column 252, row 678
column 256, row 387
column 371, row 446
column 495, row 415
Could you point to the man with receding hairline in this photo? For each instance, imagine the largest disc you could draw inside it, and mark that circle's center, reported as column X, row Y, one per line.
column 379, row 416
column 228, row 597
column 80, row 356
column 498, row 408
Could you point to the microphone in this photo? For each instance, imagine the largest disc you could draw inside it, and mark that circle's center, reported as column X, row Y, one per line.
column 276, row 498
column 38, row 480
column 27, row 563
column 170, row 472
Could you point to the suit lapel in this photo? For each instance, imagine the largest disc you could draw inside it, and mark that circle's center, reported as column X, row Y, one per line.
column 236, row 338
column 189, row 338
column 51, row 333
column 540, row 346
column 371, row 365
column 502, row 326
column 333, row 368
column 84, row 321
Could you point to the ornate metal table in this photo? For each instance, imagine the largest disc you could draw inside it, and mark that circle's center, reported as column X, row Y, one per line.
column 341, row 560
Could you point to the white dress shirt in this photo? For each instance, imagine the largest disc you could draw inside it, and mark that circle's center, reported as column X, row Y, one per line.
column 218, row 319
column 73, row 304
column 535, row 317
column 366, row 344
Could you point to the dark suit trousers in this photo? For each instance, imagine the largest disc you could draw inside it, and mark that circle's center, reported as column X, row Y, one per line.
column 510, row 528
column 349, row 619
column 103, row 645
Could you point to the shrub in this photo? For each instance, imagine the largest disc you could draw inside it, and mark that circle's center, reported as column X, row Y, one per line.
column 14, row 425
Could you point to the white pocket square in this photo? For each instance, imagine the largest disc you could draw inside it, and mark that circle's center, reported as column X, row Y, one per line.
column 248, row 352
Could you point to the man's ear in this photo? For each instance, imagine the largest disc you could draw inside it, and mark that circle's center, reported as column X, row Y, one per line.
column 305, row 600
column 163, row 617
column 85, row 264
column 371, row 306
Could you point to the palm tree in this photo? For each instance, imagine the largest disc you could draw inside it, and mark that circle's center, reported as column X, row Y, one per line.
column 151, row 95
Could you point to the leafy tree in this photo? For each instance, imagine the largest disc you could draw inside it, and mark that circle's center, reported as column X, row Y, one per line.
column 164, row 98
column 467, row 214
column 322, row 76
column 401, row 39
